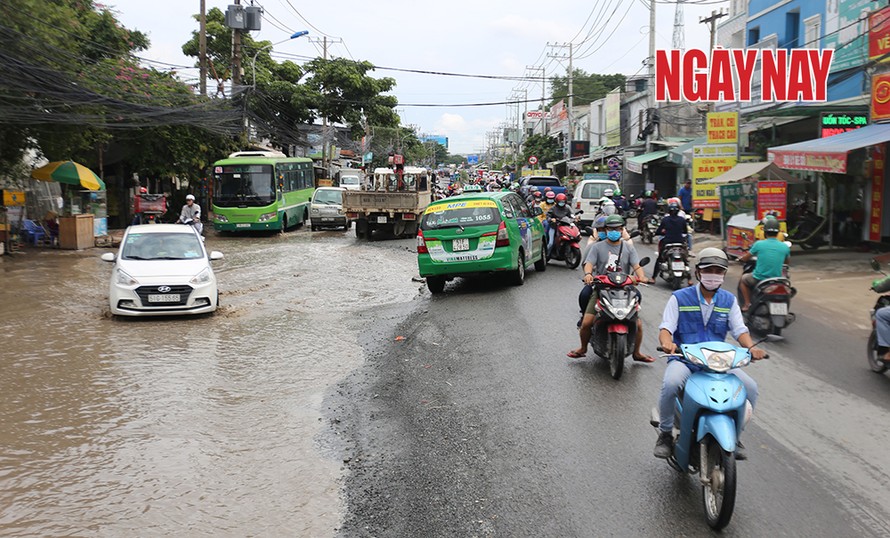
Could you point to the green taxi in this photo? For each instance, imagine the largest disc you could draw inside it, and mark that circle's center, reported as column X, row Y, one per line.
column 479, row 233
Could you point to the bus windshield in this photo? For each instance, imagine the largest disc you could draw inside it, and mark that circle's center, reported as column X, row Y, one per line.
column 244, row 185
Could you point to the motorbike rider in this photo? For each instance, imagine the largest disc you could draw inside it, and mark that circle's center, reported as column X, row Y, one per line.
column 613, row 254
column 560, row 210
column 648, row 207
column 139, row 217
column 696, row 314
column 191, row 214
column 771, row 254
column 529, row 198
column 620, row 202
column 673, row 229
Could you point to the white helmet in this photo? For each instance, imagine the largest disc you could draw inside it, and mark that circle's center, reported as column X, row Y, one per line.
column 189, row 196
column 608, row 192
column 608, row 208
column 711, row 256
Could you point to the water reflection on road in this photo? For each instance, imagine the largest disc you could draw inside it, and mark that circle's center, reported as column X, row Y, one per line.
column 203, row 425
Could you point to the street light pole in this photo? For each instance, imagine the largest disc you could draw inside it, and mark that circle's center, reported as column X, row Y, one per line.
column 253, row 61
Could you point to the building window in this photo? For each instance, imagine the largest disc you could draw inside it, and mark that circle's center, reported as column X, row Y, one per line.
column 753, row 36
column 812, row 31
column 792, row 30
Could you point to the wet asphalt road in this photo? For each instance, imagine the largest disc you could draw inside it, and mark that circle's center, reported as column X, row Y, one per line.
column 476, row 424
column 295, row 410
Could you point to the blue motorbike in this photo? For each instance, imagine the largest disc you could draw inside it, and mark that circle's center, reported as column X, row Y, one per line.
column 710, row 412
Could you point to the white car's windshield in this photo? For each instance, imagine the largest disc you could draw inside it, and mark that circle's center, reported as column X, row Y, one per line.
column 349, row 180
column 328, row 197
column 162, row 246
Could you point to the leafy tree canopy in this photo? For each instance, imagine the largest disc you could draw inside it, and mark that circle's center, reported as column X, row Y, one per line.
column 586, row 87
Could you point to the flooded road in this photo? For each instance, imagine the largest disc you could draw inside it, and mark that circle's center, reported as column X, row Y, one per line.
column 205, row 425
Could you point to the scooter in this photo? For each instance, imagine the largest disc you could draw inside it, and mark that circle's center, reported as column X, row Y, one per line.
column 649, row 227
column 770, row 302
column 875, row 359
column 615, row 328
column 809, row 227
column 568, row 242
column 674, row 265
column 711, row 411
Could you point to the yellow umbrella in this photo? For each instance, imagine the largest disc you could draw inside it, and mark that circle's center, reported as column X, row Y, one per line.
column 71, row 173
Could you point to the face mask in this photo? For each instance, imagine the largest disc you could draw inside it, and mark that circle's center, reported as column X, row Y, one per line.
column 562, row 204
column 613, row 235
column 602, row 236
column 711, row 282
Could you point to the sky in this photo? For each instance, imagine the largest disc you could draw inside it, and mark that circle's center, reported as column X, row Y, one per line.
column 487, row 37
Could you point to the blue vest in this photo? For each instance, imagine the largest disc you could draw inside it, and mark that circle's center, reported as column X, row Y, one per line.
column 690, row 326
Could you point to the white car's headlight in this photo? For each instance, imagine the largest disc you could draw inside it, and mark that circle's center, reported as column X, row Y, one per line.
column 719, row 361
column 221, row 218
column 123, row 279
column 315, row 210
column 267, row 216
column 201, row 278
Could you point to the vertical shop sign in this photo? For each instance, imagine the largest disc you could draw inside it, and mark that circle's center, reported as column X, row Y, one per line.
column 772, row 197
column 878, row 155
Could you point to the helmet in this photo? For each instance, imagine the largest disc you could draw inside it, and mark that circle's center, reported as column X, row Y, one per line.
column 614, row 221
column 609, row 193
column 600, row 223
column 673, row 200
column 561, row 197
column 537, row 195
column 189, row 196
column 647, row 194
column 550, row 195
column 608, row 208
column 673, row 207
column 617, row 192
column 770, row 224
column 547, row 189
column 143, row 190
column 533, row 189
column 710, row 257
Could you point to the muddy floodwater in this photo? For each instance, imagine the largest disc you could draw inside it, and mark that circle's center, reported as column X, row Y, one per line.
column 185, row 426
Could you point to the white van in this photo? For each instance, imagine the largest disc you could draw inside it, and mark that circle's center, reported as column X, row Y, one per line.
column 587, row 196
column 326, row 209
column 351, row 181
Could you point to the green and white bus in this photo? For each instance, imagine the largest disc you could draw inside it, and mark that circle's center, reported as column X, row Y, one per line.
column 254, row 190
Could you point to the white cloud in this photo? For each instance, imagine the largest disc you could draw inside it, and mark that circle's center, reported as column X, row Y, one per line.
column 531, row 28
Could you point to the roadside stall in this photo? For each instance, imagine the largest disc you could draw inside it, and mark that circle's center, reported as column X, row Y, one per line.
column 748, row 192
column 84, row 214
column 11, row 218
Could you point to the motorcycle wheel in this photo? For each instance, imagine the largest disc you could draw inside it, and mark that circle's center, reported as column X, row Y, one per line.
column 676, row 283
column 877, row 365
column 616, row 361
column 573, row 258
column 718, row 496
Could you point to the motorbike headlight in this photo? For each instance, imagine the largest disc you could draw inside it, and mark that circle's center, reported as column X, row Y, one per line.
column 125, row 279
column 221, row 218
column 719, row 361
column 201, row 278
column 267, row 216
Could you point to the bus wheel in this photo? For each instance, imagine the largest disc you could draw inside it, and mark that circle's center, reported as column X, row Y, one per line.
column 284, row 224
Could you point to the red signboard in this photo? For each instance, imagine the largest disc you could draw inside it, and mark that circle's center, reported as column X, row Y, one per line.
column 878, row 33
column 878, row 156
column 805, row 160
column 772, row 197
column 880, row 97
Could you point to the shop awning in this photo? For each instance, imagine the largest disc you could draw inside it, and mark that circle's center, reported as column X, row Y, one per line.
column 635, row 164
column 828, row 154
column 751, row 172
column 677, row 155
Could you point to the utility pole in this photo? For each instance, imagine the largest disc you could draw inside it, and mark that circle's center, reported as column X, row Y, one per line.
column 324, row 119
column 650, row 83
column 236, row 55
column 543, row 91
column 571, row 98
column 202, row 48
column 712, row 22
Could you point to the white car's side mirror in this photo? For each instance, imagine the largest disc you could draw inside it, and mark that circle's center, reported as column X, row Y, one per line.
column 109, row 257
column 216, row 255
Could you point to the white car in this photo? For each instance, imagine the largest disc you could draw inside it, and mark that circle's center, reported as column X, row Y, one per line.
column 326, row 209
column 351, row 182
column 162, row 269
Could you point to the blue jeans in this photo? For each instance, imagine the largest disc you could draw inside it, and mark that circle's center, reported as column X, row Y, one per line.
column 882, row 326
column 689, row 242
column 675, row 377
column 551, row 237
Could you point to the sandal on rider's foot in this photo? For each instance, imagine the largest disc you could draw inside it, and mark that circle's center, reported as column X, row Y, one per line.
column 745, row 308
column 575, row 355
column 645, row 358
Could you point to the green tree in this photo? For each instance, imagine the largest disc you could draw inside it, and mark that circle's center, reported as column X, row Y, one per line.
column 545, row 148
column 586, row 87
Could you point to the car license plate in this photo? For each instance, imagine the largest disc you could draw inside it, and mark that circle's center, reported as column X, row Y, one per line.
column 165, row 298
column 778, row 309
column 678, row 266
column 381, row 220
column 243, row 225
column 459, row 245
column 327, row 219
